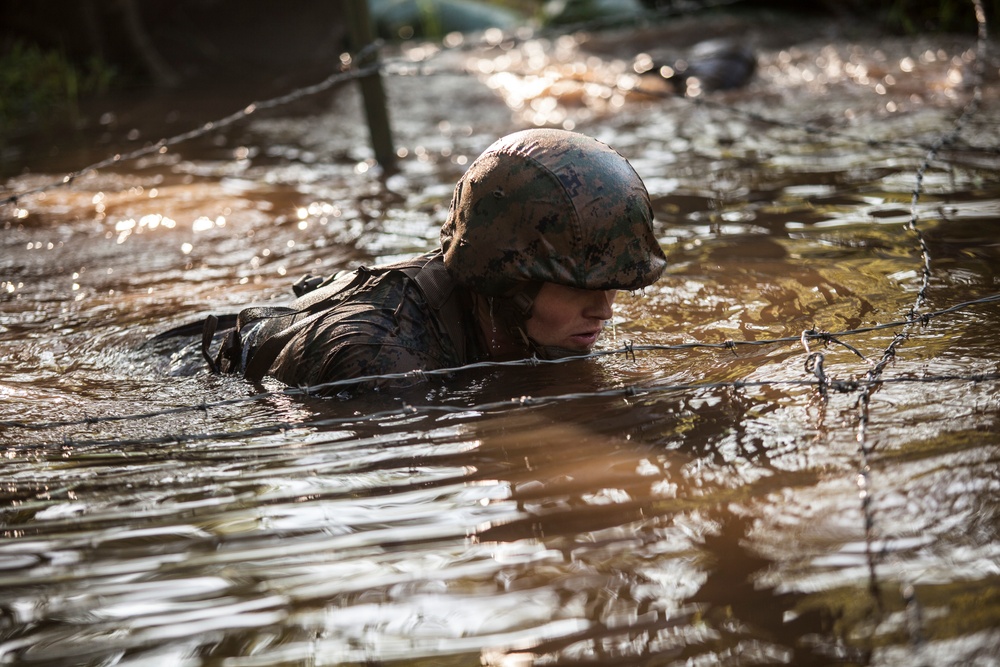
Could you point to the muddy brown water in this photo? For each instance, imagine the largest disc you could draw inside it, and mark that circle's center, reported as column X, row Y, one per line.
column 675, row 506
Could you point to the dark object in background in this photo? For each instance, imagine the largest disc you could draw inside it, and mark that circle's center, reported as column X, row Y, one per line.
column 716, row 64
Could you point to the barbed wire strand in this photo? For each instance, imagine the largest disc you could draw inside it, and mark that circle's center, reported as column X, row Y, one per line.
column 410, row 411
column 814, row 360
column 162, row 145
column 390, row 66
column 863, row 404
column 628, row 350
column 342, row 76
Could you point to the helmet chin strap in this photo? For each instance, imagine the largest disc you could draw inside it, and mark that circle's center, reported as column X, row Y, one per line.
column 505, row 329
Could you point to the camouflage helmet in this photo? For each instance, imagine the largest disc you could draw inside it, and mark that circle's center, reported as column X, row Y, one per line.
column 554, row 206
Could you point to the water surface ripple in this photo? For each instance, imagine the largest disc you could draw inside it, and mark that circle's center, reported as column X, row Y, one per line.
column 695, row 505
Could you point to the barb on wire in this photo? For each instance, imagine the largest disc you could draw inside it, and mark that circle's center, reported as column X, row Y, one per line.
column 827, row 338
column 814, row 365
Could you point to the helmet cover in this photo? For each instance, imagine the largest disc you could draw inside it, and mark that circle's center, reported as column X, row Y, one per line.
column 548, row 205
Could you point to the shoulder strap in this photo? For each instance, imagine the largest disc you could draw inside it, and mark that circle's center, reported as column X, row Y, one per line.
column 438, row 288
column 312, row 304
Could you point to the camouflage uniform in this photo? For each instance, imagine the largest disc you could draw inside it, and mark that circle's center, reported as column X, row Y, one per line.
column 538, row 206
column 373, row 321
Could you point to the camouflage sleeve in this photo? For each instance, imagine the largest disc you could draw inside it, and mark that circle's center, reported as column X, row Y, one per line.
column 309, row 360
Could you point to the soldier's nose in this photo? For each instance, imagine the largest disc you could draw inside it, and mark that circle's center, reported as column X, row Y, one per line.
column 599, row 304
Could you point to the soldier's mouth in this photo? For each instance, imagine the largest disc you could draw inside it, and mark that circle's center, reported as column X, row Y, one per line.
column 585, row 340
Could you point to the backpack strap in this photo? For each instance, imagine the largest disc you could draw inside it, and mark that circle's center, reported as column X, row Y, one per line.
column 207, row 332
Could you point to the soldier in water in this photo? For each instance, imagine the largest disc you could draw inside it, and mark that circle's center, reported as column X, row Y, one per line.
column 543, row 229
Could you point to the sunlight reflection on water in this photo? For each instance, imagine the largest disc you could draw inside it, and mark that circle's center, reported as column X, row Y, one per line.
column 682, row 521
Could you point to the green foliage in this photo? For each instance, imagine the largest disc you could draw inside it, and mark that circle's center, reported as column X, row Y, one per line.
column 37, row 84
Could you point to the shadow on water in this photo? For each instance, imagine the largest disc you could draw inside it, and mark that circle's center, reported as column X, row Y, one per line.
column 679, row 501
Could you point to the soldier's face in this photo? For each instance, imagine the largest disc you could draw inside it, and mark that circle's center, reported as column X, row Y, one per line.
column 569, row 317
